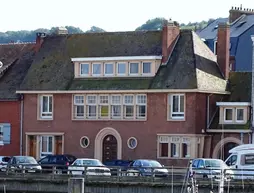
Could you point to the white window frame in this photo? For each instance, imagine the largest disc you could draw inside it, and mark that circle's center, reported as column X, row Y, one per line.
column 128, row 104
column 78, row 104
column 178, row 146
column 143, row 68
column 53, row 146
column 80, row 69
column 171, row 96
column 239, row 121
column 93, row 69
column 141, row 104
column 188, row 143
column 101, row 104
column 2, row 131
column 91, row 104
column 121, row 74
column 228, row 121
column 112, row 104
column 105, row 74
column 41, row 107
column 129, row 67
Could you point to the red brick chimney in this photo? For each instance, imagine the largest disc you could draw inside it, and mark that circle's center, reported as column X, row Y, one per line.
column 170, row 31
column 39, row 40
column 223, row 42
column 236, row 12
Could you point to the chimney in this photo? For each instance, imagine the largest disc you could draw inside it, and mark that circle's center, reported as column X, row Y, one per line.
column 39, row 40
column 170, row 32
column 61, row 31
column 223, row 41
column 236, row 12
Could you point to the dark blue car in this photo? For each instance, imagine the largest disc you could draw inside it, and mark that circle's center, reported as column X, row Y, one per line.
column 144, row 167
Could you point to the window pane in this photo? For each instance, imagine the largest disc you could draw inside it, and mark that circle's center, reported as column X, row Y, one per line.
column 91, row 111
column 116, row 99
column 174, row 150
column 129, row 111
column 91, row 99
column 45, row 104
column 146, row 67
column 229, row 114
column 128, row 99
column 141, row 99
column 108, row 68
column 84, row 69
column 141, row 111
column 134, row 68
column 103, row 99
column 239, row 114
column 121, row 68
column 181, row 103
column 50, row 144
column 44, row 142
column 184, row 150
column 79, row 99
column 116, row 110
column 80, row 111
column 175, row 103
column 96, row 68
column 163, row 149
column 104, row 111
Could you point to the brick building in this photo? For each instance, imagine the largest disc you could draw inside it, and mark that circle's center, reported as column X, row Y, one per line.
column 15, row 59
column 125, row 95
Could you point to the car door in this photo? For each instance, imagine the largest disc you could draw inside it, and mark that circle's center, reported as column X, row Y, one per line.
column 232, row 164
column 201, row 168
column 45, row 164
column 76, row 168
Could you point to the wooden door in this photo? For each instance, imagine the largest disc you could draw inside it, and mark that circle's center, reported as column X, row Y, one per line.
column 32, row 146
column 109, row 148
column 58, row 145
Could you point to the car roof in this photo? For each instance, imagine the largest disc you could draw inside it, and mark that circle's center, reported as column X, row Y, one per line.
column 87, row 159
column 145, row 160
column 208, row 159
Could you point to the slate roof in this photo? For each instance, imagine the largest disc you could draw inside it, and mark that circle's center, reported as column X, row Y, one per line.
column 237, row 28
column 240, row 89
column 16, row 59
column 192, row 65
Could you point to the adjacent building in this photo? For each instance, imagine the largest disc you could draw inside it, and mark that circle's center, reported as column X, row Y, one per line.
column 241, row 28
column 15, row 60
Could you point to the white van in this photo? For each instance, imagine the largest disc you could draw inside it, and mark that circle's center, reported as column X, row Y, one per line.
column 241, row 160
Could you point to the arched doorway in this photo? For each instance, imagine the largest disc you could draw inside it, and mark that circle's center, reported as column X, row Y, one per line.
column 109, row 146
column 223, row 153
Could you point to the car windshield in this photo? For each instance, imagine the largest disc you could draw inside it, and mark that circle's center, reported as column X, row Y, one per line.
column 151, row 163
column 88, row 162
column 25, row 160
column 213, row 163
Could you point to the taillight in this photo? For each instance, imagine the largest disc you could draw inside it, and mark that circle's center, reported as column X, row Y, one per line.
column 67, row 163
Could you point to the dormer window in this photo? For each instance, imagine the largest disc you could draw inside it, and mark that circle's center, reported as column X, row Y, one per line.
column 108, row 69
column 121, row 68
column 84, row 69
column 234, row 112
column 96, row 69
column 133, row 68
column 146, row 68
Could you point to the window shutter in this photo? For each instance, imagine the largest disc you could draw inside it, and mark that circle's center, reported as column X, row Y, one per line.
column 7, row 133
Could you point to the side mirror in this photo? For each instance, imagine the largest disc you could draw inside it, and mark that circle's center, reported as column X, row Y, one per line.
column 236, row 166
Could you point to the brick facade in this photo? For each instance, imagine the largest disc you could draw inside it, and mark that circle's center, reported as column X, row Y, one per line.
column 144, row 131
column 10, row 113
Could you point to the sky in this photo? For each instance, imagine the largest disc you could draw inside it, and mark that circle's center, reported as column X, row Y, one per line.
column 110, row 15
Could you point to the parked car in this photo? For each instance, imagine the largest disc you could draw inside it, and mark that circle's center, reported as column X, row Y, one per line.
column 59, row 162
column 211, row 168
column 3, row 162
column 114, row 165
column 23, row 164
column 144, row 167
column 92, row 167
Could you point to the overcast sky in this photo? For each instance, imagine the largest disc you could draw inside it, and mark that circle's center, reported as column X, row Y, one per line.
column 110, row 15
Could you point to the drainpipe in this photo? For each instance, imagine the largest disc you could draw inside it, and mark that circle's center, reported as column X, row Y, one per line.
column 208, row 111
column 252, row 89
column 21, row 123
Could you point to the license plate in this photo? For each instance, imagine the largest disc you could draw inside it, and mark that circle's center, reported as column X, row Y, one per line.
column 31, row 170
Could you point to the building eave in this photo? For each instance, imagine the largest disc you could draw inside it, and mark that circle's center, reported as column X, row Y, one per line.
column 234, row 104
column 118, row 58
column 228, row 131
column 120, row 91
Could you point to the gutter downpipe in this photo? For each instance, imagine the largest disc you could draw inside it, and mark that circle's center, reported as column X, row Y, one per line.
column 21, row 123
column 252, row 89
column 208, row 112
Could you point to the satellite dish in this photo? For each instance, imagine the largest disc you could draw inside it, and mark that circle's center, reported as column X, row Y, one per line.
column 1, row 64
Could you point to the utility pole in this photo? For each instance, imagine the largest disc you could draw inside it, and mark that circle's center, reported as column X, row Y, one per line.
column 252, row 90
